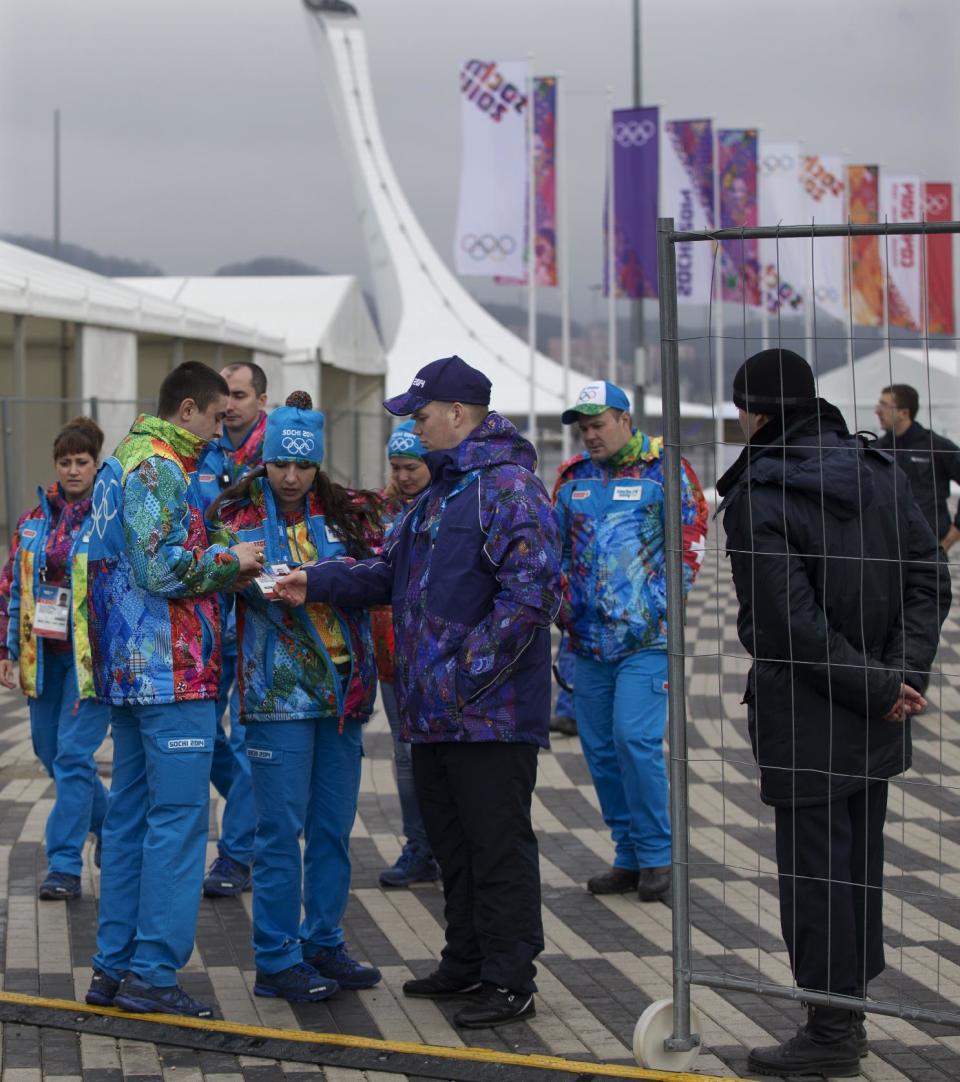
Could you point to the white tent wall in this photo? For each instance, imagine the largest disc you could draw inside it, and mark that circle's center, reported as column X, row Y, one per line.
column 108, row 371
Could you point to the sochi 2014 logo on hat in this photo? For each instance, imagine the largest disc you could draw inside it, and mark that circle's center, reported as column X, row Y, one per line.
column 297, row 441
column 594, row 393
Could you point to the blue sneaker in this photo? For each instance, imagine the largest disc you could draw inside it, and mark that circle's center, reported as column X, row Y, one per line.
column 59, row 887
column 299, row 983
column 411, row 867
column 136, row 995
column 102, row 991
column 227, row 878
column 335, row 963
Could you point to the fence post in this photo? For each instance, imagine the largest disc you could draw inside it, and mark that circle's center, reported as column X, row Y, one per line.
column 682, row 1039
column 9, row 495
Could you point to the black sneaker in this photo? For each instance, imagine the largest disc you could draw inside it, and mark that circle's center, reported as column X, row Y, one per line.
column 102, row 990
column 227, row 878
column 438, row 986
column 299, row 983
column 59, row 887
column 498, row 1007
column 616, row 881
column 142, row 998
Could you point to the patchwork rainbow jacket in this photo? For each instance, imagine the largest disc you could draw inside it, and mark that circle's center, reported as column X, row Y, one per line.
column 153, row 577
column 285, row 671
column 614, row 561
column 18, row 589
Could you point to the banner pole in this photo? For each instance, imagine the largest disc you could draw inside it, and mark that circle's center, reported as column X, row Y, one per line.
column 611, row 247
column 718, row 387
column 564, row 238
column 531, row 254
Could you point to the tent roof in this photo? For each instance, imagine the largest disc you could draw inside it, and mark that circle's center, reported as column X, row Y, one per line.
column 311, row 312
column 36, row 285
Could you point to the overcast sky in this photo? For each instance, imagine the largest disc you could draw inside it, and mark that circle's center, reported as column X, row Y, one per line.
column 197, row 132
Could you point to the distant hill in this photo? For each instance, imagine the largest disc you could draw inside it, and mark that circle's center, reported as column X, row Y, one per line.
column 265, row 266
column 111, row 266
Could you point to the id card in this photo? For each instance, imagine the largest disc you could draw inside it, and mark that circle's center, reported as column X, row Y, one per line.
column 51, row 619
column 266, row 582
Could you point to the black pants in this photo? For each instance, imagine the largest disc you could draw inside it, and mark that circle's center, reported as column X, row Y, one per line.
column 475, row 803
column 830, row 864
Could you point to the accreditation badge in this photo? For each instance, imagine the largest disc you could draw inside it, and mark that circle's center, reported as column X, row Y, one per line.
column 51, row 618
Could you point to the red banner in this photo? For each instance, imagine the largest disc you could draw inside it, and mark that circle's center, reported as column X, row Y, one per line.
column 938, row 199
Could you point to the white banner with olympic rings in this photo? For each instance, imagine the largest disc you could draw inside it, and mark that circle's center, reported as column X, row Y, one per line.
column 490, row 236
column 821, row 176
column 783, row 263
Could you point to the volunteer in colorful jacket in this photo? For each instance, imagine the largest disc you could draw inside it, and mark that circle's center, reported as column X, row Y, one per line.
column 307, row 683
column 473, row 573
column 409, row 476
column 43, row 626
column 152, row 589
column 609, row 501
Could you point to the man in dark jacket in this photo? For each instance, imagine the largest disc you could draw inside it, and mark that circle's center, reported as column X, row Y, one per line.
column 842, row 592
column 472, row 571
column 930, row 461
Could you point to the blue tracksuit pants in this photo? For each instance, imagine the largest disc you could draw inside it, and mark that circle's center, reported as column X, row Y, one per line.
column 154, row 839
column 306, row 781
column 413, row 829
column 230, row 772
column 66, row 732
column 621, row 716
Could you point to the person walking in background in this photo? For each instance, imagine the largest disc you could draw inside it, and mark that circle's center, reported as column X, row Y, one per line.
column 153, row 581
column 44, row 627
column 930, row 461
column 473, row 574
column 842, row 592
column 307, row 682
column 409, row 476
column 609, row 502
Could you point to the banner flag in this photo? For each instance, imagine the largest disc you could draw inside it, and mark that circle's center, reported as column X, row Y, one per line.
column 491, row 217
column 822, row 181
column 737, row 180
column 688, row 197
column 783, row 262
column 545, row 178
column 938, row 200
column 636, row 172
column 900, row 202
column 863, row 207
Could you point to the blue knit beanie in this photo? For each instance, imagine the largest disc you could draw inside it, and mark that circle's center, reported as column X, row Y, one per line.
column 294, row 432
column 404, row 443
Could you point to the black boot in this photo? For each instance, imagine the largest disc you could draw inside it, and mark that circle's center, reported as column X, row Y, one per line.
column 826, row 1045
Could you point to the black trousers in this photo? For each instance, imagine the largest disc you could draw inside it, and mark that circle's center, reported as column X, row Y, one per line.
column 830, row 865
column 475, row 803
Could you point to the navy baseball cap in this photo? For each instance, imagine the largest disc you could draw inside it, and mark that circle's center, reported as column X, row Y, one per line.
column 596, row 398
column 450, row 379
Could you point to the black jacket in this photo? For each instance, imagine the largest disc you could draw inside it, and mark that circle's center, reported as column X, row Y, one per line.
column 842, row 590
column 931, row 462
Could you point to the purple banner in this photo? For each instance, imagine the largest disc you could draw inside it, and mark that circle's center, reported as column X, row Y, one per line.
column 636, row 170
column 737, row 178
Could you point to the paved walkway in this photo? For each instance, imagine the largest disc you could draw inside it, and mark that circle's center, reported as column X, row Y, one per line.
column 605, row 958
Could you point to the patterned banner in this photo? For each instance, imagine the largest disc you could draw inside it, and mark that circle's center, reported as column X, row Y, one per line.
column 545, row 192
column 491, row 216
column 783, row 262
column 688, row 196
column 900, row 202
column 822, row 180
column 863, row 207
column 636, row 168
column 737, row 178
column 940, row 311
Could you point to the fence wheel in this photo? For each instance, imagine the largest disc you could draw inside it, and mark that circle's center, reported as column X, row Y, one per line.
column 654, row 1026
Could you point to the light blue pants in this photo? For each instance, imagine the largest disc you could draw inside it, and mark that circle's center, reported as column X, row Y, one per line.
column 230, row 772
column 66, row 732
column 621, row 716
column 306, row 780
column 154, row 839
column 566, row 663
column 413, row 829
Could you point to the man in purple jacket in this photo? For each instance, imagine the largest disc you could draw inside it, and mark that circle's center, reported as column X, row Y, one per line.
column 472, row 571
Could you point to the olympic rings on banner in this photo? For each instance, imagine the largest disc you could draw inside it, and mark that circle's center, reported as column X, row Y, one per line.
column 634, row 133
column 297, row 445
column 937, row 204
column 827, row 293
column 777, row 163
column 487, row 246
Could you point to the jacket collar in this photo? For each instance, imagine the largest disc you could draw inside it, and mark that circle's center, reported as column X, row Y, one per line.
column 185, row 444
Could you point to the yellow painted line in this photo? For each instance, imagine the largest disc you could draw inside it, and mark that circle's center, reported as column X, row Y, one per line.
column 348, row 1040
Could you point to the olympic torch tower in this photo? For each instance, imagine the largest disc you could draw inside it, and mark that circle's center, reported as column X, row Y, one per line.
column 425, row 312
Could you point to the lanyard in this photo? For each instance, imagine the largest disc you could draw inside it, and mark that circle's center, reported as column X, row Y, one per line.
column 434, row 524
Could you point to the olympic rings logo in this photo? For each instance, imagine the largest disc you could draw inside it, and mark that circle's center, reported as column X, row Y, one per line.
column 634, row 133
column 588, row 394
column 100, row 516
column 488, row 246
column 937, row 204
column 297, row 445
column 827, row 293
column 777, row 163
column 402, row 441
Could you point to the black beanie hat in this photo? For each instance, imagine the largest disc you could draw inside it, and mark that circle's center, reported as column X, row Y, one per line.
column 773, row 380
